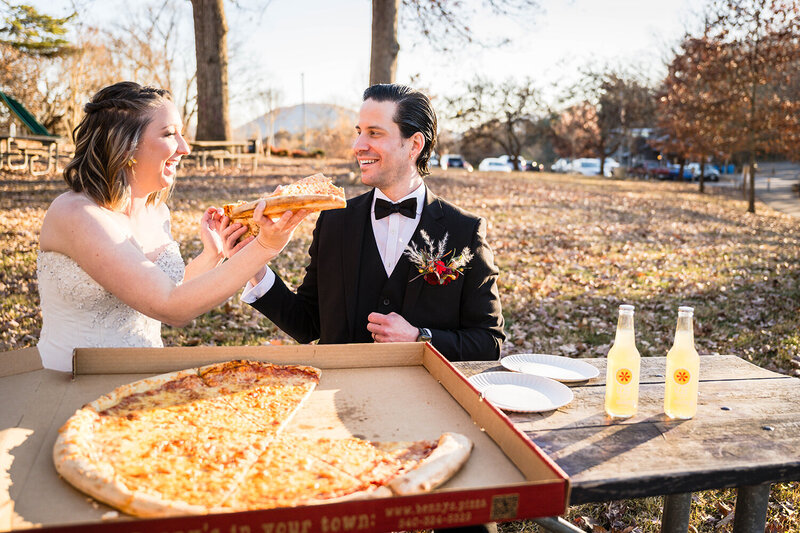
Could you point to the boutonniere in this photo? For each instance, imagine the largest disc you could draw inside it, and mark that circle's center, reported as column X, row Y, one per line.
column 434, row 265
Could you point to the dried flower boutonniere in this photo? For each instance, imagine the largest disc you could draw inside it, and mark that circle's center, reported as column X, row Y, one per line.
column 432, row 263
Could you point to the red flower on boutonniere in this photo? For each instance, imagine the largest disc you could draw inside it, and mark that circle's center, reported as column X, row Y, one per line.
column 432, row 263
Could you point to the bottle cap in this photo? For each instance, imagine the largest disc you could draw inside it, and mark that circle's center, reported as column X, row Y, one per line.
column 626, row 308
column 686, row 309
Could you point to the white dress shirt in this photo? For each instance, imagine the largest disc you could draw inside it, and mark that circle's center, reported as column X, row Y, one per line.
column 392, row 235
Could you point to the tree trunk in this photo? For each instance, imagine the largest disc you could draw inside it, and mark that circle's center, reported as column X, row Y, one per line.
column 680, row 168
column 211, row 49
column 383, row 63
column 702, row 172
column 751, row 195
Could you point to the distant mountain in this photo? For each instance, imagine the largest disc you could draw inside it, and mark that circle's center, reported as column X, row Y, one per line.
column 317, row 116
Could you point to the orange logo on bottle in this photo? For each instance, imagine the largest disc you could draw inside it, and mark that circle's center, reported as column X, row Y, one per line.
column 682, row 376
column 624, row 376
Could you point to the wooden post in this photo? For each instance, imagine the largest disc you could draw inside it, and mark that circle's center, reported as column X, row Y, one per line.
column 677, row 508
column 751, row 508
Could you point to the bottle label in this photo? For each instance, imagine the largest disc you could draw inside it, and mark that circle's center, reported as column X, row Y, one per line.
column 681, row 376
column 624, row 376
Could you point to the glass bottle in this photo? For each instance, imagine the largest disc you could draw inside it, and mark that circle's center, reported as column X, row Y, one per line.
column 622, row 373
column 683, row 370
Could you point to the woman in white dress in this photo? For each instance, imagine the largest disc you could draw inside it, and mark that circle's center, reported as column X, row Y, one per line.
column 109, row 272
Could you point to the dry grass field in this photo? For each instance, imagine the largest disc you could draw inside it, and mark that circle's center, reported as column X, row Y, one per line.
column 570, row 250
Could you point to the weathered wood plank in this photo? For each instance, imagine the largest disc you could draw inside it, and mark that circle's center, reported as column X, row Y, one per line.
column 654, row 458
column 712, row 368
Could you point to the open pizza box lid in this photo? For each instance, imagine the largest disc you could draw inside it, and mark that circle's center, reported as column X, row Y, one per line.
column 384, row 392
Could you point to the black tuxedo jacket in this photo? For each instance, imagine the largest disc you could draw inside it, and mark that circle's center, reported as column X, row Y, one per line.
column 463, row 316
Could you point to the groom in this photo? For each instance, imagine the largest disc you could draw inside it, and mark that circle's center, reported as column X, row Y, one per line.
column 359, row 285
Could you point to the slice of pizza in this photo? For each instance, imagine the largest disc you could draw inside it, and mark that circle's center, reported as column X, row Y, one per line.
column 314, row 193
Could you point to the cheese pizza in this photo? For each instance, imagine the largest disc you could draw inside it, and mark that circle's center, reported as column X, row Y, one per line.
column 313, row 193
column 212, row 439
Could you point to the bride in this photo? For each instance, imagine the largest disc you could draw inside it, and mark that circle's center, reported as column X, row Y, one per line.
column 109, row 272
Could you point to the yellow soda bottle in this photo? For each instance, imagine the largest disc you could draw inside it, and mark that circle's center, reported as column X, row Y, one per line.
column 622, row 374
column 683, row 370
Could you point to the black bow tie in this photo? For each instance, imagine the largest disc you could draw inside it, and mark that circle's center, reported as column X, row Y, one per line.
column 385, row 208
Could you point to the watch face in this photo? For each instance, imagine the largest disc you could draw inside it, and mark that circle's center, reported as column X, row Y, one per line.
column 424, row 335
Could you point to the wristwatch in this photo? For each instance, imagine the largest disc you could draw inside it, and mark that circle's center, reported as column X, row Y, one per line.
column 424, row 335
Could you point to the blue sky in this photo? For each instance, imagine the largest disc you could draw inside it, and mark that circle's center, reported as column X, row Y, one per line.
column 326, row 42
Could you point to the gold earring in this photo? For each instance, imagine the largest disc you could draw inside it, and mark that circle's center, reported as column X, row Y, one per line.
column 131, row 162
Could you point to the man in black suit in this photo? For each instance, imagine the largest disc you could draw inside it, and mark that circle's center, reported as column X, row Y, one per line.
column 359, row 285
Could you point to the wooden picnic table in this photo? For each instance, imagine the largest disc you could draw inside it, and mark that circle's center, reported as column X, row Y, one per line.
column 29, row 148
column 746, row 434
column 219, row 151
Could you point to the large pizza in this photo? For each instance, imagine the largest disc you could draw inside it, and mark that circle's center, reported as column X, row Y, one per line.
column 213, row 439
column 313, row 193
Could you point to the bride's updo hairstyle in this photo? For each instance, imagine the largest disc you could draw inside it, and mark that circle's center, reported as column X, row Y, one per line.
column 106, row 139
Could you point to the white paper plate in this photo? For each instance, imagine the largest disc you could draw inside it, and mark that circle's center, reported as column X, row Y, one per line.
column 521, row 393
column 550, row 366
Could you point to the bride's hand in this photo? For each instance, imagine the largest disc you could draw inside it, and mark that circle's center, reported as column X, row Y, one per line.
column 230, row 232
column 209, row 231
column 275, row 235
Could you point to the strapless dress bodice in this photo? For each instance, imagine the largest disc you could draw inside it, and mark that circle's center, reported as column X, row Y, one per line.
column 79, row 313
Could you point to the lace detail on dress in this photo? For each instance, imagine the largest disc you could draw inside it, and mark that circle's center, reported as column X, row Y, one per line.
column 78, row 312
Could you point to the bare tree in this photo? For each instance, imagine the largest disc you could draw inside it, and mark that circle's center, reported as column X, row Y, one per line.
column 148, row 47
column 497, row 113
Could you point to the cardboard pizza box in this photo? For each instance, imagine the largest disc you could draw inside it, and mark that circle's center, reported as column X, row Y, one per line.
column 389, row 392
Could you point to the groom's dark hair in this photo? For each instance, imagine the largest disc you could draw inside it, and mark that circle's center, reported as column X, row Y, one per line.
column 414, row 114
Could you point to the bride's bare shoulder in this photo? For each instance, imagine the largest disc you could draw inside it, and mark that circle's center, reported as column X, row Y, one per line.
column 69, row 201
column 67, row 212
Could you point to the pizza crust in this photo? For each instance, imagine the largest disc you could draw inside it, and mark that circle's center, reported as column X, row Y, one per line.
column 276, row 205
column 448, row 457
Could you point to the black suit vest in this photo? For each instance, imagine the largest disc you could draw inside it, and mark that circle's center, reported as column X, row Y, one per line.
column 377, row 292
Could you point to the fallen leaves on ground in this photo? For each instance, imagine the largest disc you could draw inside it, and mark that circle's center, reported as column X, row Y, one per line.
column 570, row 250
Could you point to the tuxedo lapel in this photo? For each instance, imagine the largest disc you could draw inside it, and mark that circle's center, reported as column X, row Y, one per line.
column 430, row 221
column 356, row 219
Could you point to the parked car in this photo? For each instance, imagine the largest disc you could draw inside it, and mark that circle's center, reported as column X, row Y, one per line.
column 454, row 161
column 533, row 166
column 433, row 161
column 510, row 161
column 710, row 172
column 649, row 169
column 609, row 166
column 493, row 164
column 675, row 169
column 562, row 165
column 587, row 166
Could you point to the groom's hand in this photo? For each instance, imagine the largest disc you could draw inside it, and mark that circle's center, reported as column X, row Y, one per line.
column 391, row 328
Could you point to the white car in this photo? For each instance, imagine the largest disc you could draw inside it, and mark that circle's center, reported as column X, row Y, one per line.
column 587, row 166
column 494, row 164
column 562, row 165
column 608, row 168
column 510, row 161
column 710, row 173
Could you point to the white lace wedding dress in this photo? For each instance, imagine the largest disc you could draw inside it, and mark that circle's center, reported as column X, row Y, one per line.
column 78, row 313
